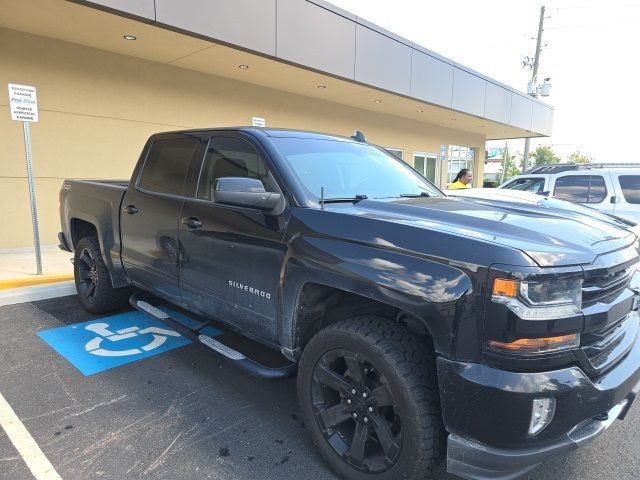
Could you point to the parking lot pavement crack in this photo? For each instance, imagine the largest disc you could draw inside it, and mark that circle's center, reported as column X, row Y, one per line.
column 214, row 434
column 101, row 404
column 106, row 440
column 158, row 461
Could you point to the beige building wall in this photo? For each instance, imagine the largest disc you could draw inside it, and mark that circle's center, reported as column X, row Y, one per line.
column 97, row 109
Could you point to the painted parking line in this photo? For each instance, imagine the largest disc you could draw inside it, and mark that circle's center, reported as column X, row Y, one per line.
column 109, row 342
column 24, row 443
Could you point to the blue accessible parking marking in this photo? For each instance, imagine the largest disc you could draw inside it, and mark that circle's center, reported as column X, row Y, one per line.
column 109, row 342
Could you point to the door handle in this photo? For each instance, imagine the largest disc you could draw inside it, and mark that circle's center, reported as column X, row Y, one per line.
column 192, row 222
column 130, row 209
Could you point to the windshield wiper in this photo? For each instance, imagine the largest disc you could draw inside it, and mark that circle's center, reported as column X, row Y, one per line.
column 353, row 199
column 415, row 195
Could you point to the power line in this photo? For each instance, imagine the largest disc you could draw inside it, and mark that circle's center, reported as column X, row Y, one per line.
column 595, row 25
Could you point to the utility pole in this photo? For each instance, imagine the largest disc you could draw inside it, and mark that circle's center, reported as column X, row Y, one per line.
column 505, row 159
column 534, row 73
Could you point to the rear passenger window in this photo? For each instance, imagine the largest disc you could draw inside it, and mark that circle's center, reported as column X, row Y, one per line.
column 167, row 164
column 630, row 185
column 581, row 188
column 232, row 157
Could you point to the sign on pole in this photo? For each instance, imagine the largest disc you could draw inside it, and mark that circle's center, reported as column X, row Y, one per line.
column 23, row 104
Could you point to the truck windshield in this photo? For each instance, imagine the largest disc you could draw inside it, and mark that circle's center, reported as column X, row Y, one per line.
column 350, row 170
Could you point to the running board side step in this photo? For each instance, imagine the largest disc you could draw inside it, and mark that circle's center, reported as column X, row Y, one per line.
column 142, row 301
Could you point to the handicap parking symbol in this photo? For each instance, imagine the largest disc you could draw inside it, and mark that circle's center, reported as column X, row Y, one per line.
column 109, row 342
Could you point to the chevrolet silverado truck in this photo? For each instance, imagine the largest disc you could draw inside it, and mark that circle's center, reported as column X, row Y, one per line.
column 421, row 327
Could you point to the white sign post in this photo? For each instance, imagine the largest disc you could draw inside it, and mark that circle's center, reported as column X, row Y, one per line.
column 24, row 108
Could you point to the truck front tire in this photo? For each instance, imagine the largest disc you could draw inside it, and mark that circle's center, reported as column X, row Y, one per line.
column 93, row 283
column 368, row 392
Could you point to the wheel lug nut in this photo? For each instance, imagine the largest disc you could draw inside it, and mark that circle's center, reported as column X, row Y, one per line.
column 354, row 415
column 353, row 392
column 364, row 395
column 348, row 401
column 370, row 409
column 365, row 419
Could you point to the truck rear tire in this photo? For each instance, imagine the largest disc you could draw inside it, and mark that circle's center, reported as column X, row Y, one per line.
column 93, row 283
column 368, row 392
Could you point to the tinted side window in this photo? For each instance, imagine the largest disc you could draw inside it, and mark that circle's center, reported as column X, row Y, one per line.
column 534, row 185
column 231, row 157
column 581, row 188
column 165, row 169
column 630, row 185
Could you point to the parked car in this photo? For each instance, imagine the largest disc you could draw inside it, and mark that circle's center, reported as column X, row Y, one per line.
column 417, row 323
column 581, row 211
column 611, row 188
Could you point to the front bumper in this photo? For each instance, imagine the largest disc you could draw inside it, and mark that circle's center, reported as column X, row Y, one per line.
column 487, row 412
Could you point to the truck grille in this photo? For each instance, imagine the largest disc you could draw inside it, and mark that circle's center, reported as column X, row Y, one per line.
column 608, row 299
column 604, row 347
column 606, row 287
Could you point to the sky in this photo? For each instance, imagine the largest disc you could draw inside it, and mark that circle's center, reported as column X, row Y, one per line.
column 590, row 53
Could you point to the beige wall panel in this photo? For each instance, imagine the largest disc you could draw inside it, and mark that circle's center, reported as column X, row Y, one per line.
column 98, row 108
column 16, row 212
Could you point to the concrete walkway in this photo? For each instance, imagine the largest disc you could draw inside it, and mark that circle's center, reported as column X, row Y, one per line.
column 18, row 279
column 19, row 264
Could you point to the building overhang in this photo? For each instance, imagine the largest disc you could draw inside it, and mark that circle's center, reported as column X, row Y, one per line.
column 309, row 48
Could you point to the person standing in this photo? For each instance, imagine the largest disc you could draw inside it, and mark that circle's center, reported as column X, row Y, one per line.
column 462, row 180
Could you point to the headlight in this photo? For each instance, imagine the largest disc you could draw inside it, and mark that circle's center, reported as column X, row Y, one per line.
column 540, row 300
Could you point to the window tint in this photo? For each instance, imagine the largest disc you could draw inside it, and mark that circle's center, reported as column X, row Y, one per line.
column 165, row 169
column 232, row 157
column 581, row 188
column 534, row 185
column 630, row 185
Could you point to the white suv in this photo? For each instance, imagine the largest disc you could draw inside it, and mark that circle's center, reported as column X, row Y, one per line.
column 611, row 188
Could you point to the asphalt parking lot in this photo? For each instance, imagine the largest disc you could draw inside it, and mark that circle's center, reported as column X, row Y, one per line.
column 183, row 414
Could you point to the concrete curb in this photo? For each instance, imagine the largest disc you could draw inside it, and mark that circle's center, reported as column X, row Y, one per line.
column 37, row 292
column 13, row 283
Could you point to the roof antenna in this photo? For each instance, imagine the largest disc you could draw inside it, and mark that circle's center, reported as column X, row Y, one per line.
column 322, row 198
column 358, row 136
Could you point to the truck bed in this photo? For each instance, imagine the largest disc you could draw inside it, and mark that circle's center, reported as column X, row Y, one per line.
column 98, row 203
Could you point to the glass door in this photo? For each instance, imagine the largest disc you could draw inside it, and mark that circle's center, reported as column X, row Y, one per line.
column 427, row 165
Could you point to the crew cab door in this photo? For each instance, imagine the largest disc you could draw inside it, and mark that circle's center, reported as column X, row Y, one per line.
column 150, row 209
column 232, row 256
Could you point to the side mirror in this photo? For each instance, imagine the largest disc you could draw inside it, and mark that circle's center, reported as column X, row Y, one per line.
column 244, row 192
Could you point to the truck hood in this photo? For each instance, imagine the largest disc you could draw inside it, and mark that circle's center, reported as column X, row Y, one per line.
column 550, row 237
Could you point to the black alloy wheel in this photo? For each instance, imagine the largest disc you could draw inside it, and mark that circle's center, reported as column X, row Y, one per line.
column 88, row 274
column 368, row 392
column 93, row 282
column 356, row 411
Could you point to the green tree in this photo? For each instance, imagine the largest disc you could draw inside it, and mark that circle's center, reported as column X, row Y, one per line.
column 543, row 155
column 511, row 168
column 578, row 157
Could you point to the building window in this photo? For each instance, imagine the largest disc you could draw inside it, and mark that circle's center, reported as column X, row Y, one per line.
column 396, row 152
column 459, row 158
column 427, row 165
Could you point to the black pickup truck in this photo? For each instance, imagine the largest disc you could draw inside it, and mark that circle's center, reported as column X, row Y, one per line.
column 420, row 326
